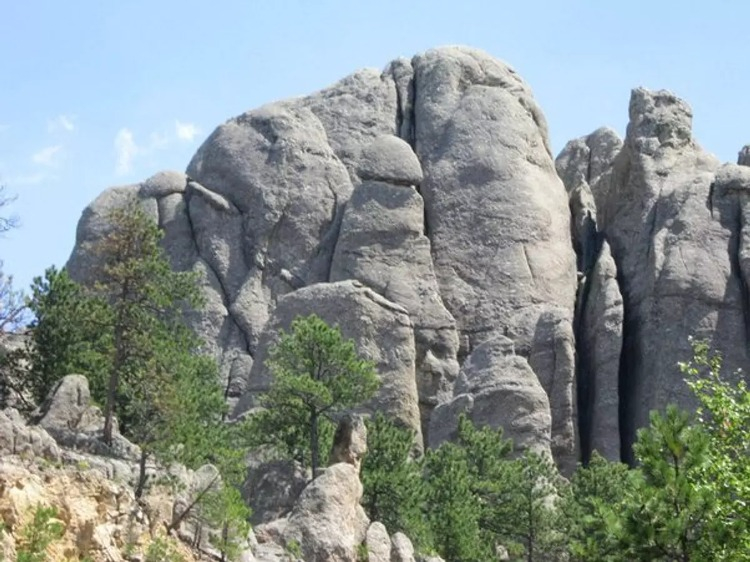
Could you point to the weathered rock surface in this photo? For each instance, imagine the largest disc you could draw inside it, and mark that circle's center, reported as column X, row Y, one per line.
column 674, row 221
column 99, row 516
column 382, row 243
column 432, row 184
column 401, row 548
column 378, row 543
column 743, row 158
column 327, row 521
column 497, row 388
column 271, row 488
column 349, row 441
column 75, row 423
column 381, row 329
column 497, row 215
column 17, row 438
column 600, row 347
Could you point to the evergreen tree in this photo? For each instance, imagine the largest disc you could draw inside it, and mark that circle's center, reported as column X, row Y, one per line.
column 724, row 413
column 589, row 510
column 70, row 334
column 316, row 374
column 667, row 513
column 452, row 509
column 394, row 492
column 525, row 517
column 147, row 299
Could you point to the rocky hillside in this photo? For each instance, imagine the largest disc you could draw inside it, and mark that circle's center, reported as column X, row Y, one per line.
column 421, row 209
column 57, row 461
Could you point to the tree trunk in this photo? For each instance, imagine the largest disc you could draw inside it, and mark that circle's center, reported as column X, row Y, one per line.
column 114, row 381
column 314, row 442
column 141, row 474
column 109, row 408
column 176, row 523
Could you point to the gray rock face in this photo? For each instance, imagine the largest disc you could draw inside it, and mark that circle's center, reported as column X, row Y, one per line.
column 271, row 488
column 69, row 407
column 386, row 337
column 17, row 438
column 496, row 214
column 382, row 244
column 686, row 284
column 674, row 221
column 75, row 423
column 327, row 521
column 349, row 441
column 391, row 160
column 497, row 388
column 378, row 543
column 430, row 182
column 600, row 347
column 743, row 158
column 401, row 548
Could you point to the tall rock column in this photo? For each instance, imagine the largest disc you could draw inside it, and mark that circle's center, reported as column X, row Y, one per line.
column 675, row 238
column 382, row 244
column 497, row 217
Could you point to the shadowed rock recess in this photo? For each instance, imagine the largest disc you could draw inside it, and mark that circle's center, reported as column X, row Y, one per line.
column 420, row 209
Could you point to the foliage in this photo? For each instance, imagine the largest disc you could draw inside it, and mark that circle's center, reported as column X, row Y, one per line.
column 8, row 222
column 524, row 516
column 294, row 548
column 147, row 299
column 394, row 492
column 588, row 513
column 724, row 414
column 666, row 515
column 12, row 304
column 36, row 536
column 316, row 374
column 70, row 334
column 451, row 507
column 160, row 550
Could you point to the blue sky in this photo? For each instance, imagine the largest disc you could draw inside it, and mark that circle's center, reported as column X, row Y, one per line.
column 98, row 93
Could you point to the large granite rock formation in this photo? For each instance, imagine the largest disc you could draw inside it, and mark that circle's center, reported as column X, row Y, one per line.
column 431, row 183
column 676, row 224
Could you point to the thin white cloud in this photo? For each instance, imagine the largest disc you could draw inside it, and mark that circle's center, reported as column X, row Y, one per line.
column 48, row 156
column 62, row 123
column 186, row 131
column 125, row 150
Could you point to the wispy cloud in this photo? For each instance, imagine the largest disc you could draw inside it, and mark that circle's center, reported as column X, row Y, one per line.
column 128, row 150
column 125, row 150
column 48, row 156
column 62, row 123
column 186, row 131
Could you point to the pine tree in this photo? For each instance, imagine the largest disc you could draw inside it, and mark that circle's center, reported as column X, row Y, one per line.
column 590, row 513
column 70, row 334
column 394, row 492
column 667, row 513
column 452, row 509
column 147, row 299
column 724, row 413
column 316, row 374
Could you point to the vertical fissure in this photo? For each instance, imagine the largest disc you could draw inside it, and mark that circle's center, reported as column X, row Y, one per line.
column 626, row 377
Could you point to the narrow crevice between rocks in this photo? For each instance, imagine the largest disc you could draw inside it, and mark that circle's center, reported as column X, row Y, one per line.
column 584, row 382
column 399, row 105
column 189, row 194
column 736, row 264
column 626, row 380
column 224, row 293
